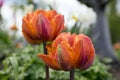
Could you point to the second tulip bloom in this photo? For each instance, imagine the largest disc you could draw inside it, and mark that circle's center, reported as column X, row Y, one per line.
column 69, row 52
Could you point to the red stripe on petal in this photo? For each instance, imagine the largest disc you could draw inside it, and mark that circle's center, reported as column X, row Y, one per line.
column 44, row 27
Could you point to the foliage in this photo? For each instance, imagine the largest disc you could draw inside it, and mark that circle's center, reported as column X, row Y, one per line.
column 4, row 37
column 114, row 21
column 5, row 43
column 117, row 53
column 115, row 28
column 25, row 65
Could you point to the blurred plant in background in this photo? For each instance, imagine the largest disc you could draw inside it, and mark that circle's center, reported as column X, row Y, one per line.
column 114, row 20
column 29, row 67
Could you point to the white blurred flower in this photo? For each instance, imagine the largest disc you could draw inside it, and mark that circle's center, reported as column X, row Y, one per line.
column 72, row 9
column 28, row 8
column 12, row 17
column 7, row 17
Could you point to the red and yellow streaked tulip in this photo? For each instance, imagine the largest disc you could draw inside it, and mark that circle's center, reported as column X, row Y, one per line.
column 42, row 26
column 69, row 52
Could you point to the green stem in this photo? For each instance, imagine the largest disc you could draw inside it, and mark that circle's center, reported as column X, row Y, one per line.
column 46, row 67
column 72, row 74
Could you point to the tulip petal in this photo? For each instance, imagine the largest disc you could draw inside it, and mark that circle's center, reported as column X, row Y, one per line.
column 26, row 28
column 37, row 12
column 88, row 63
column 51, row 14
column 71, row 39
column 76, row 50
column 57, row 41
column 64, row 56
column 28, row 16
column 29, row 28
column 90, row 59
column 49, row 61
column 86, row 53
column 58, row 24
column 30, row 40
column 28, row 32
column 44, row 27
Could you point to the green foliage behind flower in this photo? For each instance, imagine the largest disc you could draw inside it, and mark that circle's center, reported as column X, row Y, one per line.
column 25, row 65
column 115, row 27
column 114, row 21
column 5, row 43
column 117, row 53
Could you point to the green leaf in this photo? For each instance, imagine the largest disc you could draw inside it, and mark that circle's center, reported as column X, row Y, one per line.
column 14, row 63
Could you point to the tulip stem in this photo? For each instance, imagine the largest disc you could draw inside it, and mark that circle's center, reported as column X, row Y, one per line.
column 72, row 74
column 46, row 67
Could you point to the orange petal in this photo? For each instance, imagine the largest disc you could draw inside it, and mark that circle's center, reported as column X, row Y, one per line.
column 49, row 50
column 51, row 14
column 37, row 12
column 58, row 24
column 64, row 56
column 57, row 41
column 49, row 61
column 28, row 16
column 71, row 39
column 28, row 28
column 25, row 26
column 31, row 40
column 28, row 33
column 76, row 49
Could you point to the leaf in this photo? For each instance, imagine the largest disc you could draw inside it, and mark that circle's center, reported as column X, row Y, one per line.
column 14, row 63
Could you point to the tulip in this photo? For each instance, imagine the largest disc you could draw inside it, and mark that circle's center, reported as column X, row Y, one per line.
column 42, row 26
column 69, row 52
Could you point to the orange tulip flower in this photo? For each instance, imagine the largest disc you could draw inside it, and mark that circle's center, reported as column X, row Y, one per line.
column 41, row 26
column 69, row 52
